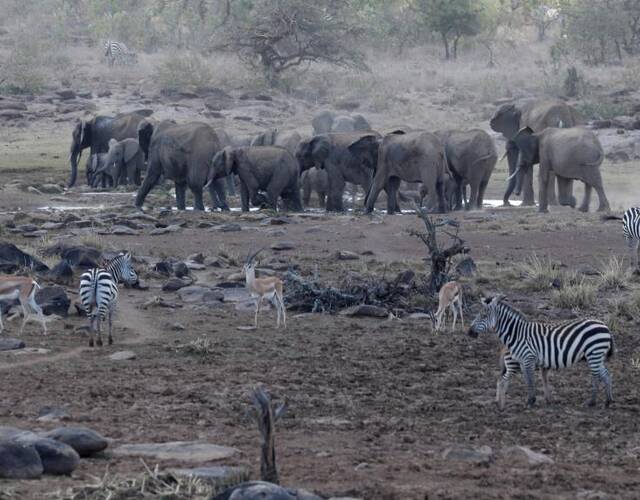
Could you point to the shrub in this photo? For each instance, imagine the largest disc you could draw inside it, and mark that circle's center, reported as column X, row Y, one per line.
column 181, row 72
column 23, row 71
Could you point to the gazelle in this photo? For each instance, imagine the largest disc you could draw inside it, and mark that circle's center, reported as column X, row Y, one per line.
column 24, row 289
column 269, row 288
column 449, row 297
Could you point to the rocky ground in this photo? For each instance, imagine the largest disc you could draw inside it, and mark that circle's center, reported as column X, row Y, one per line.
column 379, row 407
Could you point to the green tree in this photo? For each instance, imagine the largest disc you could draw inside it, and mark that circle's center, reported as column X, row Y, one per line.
column 451, row 20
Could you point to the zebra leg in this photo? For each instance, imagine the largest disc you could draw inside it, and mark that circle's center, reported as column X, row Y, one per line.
column 501, row 389
column 605, row 376
column 528, row 371
column 110, row 326
column 634, row 246
column 545, row 385
column 99, row 332
column 91, row 329
column 594, row 389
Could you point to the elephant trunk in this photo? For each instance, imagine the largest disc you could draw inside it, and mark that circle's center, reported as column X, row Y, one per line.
column 150, row 180
column 74, row 157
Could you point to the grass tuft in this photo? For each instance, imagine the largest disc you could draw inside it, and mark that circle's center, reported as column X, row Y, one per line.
column 540, row 273
column 580, row 295
column 613, row 274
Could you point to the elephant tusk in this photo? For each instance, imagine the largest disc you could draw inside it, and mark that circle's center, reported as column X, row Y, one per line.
column 504, row 155
column 513, row 174
column 208, row 184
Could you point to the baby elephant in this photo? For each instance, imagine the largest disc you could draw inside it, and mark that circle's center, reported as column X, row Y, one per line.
column 124, row 162
column 261, row 168
column 314, row 180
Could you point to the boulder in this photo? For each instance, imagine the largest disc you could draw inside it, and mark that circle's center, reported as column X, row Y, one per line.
column 57, row 458
column 53, row 300
column 163, row 267
column 201, row 295
column 61, row 273
column 52, row 414
column 123, row 356
column 165, row 230
column 50, row 189
column 9, row 344
column 482, row 455
column 346, row 255
column 187, row 451
column 180, row 269
column 263, row 490
column 18, row 461
column 85, row 441
column 11, row 255
column 66, row 94
column 283, row 245
column 366, row 310
column 174, row 284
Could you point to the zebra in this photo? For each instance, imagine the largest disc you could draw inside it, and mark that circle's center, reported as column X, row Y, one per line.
column 547, row 346
column 631, row 230
column 508, row 367
column 118, row 53
column 99, row 291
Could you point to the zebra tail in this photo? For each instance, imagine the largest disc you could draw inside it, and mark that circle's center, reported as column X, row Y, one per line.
column 612, row 350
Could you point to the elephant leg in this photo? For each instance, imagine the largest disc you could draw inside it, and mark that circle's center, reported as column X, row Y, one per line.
column 551, row 195
column 374, row 191
column 322, row 199
column 181, row 196
column 586, row 200
column 231, row 185
column 198, row 203
column 481, row 191
column 565, row 192
column 334, row 197
column 218, row 195
column 392, row 195
column 546, row 182
column 272, row 199
column 528, row 198
column 511, row 185
column 244, row 197
column 475, row 192
column 306, row 194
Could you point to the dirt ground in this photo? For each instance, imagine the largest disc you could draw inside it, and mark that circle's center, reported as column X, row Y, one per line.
column 373, row 404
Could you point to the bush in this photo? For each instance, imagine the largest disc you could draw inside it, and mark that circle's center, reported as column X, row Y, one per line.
column 23, row 72
column 181, row 72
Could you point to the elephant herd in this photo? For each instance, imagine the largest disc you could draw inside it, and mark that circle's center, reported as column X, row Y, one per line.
column 273, row 167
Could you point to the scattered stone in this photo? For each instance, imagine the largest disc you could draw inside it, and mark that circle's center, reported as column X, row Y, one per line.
column 174, row 284
column 421, row 316
column 51, row 189
column 228, row 228
column 163, row 267
column 53, row 300
column 587, row 270
column 366, row 310
column 591, row 495
column 276, row 221
column 525, row 456
column 123, row 230
column 10, row 114
column 346, row 255
column 122, row 356
column 141, row 285
column 12, row 257
column 198, row 258
column 180, row 269
column 9, row 344
column 218, row 476
column 19, row 461
column 178, row 327
column 66, row 94
column 466, row 267
column 104, row 93
column 187, row 451
column 195, row 266
column 61, row 273
column 283, row 245
column 200, row 294
column 14, row 105
column 52, row 225
column 56, row 457
column 481, row 456
column 234, row 277
column 52, row 414
column 85, row 441
column 165, row 230
column 81, row 256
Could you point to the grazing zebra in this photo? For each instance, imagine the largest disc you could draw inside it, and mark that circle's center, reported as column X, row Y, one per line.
column 547, row 346
column 631, row 230
column 99, row 291
column 118, row 53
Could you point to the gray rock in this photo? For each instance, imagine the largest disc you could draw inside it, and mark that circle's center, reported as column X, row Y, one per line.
column 52, row 414
column 283, row 245
column 53, row 300
column 8, row 433
column 236, row 294
column 18, row 461
column 525, row 456
column 14, row 105
column 218, row 476
column 122, row 356
column 200, row 294
column 123, row 230
column 276, row 221
column 57, row 458
column 51, row 189
column 180, row 269
column 11, row 255
column 10, row 114
column 9, row 344
column 66, row 94
column 253, row 490
column 85, row 441
column 228, row 228
column 592, row 495
column 61, row 273
column 198, row 258
column 187, row 451
column 480, row 455
column 346, row 255
column 175, row 284
column 165, row 230
column 366, row 310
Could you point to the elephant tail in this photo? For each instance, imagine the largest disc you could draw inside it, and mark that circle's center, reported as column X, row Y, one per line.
column 489, row 156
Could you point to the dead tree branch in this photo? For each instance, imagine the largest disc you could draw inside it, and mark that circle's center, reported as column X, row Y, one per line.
column 266, row 416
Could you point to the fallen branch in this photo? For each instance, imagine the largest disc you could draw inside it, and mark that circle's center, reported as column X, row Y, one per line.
column 266, row 417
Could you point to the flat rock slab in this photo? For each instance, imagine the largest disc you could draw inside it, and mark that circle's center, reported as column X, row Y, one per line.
column 165, row 230
column 480, row 455
column 18, row 461
column 218, row 476
column 236, row 294
column 366, row 310
column 123, row 356
column 200, row 294
column 85, row 441
column 52, row 414
column 187, row 451
column 346, row 255
column 11, row 344
column 283, row 245
column 525, row 456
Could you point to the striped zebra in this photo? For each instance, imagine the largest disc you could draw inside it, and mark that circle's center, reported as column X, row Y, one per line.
column 547, row 346
column 99, row 291
column 510, row 366
column 118, row 53
column 631, row 230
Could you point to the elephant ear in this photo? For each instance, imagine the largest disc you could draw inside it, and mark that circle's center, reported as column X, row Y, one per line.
column 367, row 144
column 131, row 149
column 145, row 131
column 229, row 156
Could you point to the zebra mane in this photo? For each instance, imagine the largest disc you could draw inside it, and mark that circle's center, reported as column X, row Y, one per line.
column 512, row 310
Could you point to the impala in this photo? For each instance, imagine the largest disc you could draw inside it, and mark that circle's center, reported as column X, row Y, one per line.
column 269, row 288
column 24, row 289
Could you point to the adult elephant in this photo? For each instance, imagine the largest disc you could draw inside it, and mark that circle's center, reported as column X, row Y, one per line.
column 329, row 121
column 471, row 157
column 332, row 152
column 565, row 155
column 96, row 134
column 537, row 114
column 123, row 163
column 260, row 168
column 183, row 153
column 417, row 156
column 288, row 139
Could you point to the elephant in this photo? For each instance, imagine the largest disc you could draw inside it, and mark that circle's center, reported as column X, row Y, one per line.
column 182, row 153
column 275, row 137
column 314, row 180
column 565, row 154
column 471, row 158
column 124, row 162
column 260, row 168
column 96, row 168
column 226, row 140
column 537, row 114
column 417, row 156
column 329, row 121
column 96, row 134
column 332, row 152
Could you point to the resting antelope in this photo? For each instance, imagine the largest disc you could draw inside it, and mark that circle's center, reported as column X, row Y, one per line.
column 269, row 288
column 24, row 289
column 450, row 297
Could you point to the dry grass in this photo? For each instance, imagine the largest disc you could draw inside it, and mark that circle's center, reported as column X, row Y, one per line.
column 540, row 272
column 580, row 295
column 613, row 274
column 202, row 346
